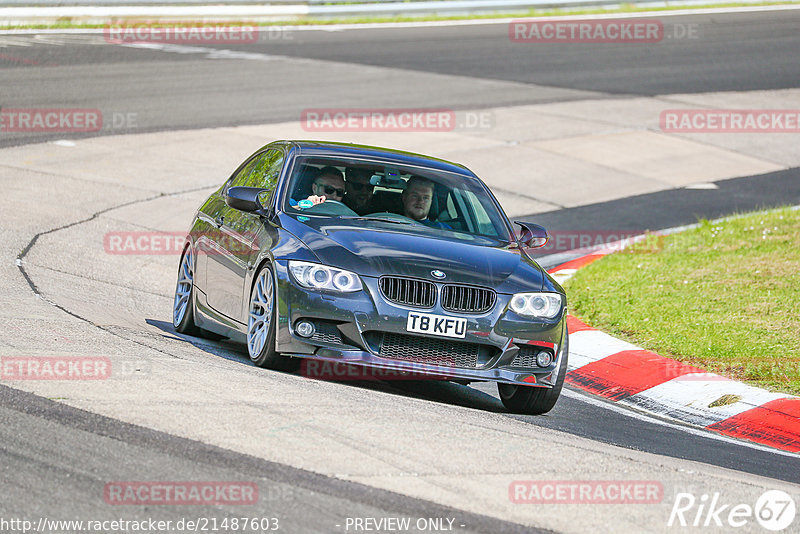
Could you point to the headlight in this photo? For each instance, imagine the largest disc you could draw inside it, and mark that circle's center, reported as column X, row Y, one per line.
column 545, row 305
column 319, row 276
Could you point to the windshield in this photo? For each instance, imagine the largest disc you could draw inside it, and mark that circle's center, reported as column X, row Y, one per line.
column 411, row 198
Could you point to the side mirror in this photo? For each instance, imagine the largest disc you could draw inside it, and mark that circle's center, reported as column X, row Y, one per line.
column 533, row 235
column 245, row 198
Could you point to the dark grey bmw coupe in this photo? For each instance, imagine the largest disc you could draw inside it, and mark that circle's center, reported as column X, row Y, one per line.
column 377, row 258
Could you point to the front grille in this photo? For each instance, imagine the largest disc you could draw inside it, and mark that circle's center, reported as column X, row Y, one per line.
column 467, row 299
column 408, row 291
column 430, row 350
column 526, row 357
column 326, row 332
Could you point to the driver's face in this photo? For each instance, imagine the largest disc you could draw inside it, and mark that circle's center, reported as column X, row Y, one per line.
column 417, row 201
column 330, row 186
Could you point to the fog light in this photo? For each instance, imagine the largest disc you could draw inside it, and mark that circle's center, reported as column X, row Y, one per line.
column 544, row 358
column 304, row 329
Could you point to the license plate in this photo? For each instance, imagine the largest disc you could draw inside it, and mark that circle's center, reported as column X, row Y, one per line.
column 437, row 325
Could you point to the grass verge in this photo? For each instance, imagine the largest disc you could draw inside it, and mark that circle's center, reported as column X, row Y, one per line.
column 723, row 296
column 623, row 8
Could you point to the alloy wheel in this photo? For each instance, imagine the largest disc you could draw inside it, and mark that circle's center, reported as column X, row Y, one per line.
column 260, row 314
column 183, row 290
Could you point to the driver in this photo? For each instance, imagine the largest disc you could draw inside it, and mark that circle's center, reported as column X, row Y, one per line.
column 417, row 199
column 328, row 185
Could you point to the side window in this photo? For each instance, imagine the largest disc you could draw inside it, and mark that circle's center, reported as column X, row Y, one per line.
column 451, row 207
column 479, row 215
column 262, row 171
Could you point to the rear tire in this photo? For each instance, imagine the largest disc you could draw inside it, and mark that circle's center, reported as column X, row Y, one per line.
column 183, row 303
column 531, row 400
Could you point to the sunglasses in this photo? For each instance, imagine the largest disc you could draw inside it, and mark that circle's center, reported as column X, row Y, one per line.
column 330, row 190
column 360, row 187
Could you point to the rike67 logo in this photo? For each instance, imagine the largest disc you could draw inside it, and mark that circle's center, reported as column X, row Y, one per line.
column 774, row 510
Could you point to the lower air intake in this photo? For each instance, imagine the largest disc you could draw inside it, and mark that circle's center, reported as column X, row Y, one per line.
column 430, row 351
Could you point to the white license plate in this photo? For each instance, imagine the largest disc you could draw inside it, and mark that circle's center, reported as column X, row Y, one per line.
column 437, row 325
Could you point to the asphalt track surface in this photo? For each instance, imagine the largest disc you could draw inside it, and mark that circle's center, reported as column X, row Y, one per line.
column 51, row 452
column 726, row 52
column 51, row 480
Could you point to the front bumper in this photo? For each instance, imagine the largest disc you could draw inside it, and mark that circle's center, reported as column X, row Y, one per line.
column 357, row 328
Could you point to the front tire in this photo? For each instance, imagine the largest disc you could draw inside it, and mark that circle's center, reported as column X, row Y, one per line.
column 531, row 400
column 183, row 304
column 261, row 323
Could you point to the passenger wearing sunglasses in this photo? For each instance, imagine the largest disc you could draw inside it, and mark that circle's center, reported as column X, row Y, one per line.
column 359, row 191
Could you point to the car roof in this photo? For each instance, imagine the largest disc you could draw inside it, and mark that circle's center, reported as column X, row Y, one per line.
column 330, row 148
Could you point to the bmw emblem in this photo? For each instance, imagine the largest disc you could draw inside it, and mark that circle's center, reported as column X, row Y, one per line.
column 438, row 274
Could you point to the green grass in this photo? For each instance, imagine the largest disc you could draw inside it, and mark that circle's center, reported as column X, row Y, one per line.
column 625, row 8
column 723, row 296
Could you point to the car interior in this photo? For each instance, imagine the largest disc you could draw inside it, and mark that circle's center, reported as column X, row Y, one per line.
column 460, row 209
column 387, row 195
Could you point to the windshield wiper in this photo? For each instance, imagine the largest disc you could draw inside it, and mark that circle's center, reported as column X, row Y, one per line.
column 379, row 219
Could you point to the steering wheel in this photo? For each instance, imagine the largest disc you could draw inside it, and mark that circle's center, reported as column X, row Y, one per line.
column 330, row 207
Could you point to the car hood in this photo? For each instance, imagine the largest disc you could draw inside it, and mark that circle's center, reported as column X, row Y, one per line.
column 375, row 249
